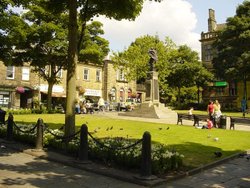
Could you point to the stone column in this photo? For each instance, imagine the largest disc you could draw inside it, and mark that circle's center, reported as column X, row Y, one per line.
column 152, row 88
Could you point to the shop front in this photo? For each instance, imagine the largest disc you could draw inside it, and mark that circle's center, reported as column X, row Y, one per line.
column 5, row 98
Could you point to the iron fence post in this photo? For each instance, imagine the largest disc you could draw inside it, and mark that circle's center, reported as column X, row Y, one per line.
column 10, row 127
column 39, row 135
column 146, row 155
column 83, row 148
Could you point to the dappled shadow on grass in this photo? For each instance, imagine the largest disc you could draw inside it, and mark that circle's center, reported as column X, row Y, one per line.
column 50, row 125
column 200, row 155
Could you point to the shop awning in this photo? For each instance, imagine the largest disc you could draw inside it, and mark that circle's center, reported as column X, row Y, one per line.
column 92, row 92
column 55, row 94
column 220, row 84
column 20, row 89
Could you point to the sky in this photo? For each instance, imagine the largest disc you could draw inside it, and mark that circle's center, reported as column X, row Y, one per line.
column 181, row 20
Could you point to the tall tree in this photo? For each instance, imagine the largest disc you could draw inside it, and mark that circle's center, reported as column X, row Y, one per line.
column 233, row 50
column 9, row 36
column 93, row 48
column 186, row 71
column 44, row 42
column 177, row 67
column 135, row 60
column 88, row 9
column 39, row 38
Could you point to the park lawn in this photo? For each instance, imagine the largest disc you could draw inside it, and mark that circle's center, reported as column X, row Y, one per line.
column 197, row 145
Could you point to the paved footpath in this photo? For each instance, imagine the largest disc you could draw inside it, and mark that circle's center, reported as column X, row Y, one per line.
column 18, row 169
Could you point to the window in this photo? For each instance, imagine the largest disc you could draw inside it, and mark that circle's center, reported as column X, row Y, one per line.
column 25, row 73
column 208, row 52
column 4, row 98
column 10, row 74
column 85, row 74
column 120, row 75
column 98, row 76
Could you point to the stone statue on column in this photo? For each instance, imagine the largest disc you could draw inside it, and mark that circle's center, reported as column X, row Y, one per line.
column 152, row 86
column 153, row 58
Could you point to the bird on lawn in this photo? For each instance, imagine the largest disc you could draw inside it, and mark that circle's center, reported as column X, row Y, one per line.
column 111, row 128
column 160, row 128
column 167, row 128
column 217, row 154
column 248, row 157
column 242, row 155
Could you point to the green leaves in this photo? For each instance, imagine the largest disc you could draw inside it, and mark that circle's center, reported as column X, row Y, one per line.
column 177, row 67
column 93, row 47
column 232, row 60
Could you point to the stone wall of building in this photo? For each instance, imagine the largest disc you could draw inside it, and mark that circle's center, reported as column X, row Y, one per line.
column 36, row 87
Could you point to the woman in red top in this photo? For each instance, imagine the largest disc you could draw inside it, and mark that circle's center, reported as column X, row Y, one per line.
column 210, row 110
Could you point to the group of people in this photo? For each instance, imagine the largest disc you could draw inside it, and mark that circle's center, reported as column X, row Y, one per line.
column 214, row 112
column 86, row 107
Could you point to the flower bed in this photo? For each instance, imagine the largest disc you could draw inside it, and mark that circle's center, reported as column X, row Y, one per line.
column 110, row 151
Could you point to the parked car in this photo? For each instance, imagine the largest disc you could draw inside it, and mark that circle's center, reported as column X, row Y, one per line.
column 131, row 103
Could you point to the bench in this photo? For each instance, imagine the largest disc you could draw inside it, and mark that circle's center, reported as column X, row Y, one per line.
column 195, row 118
column 198, row 118
column 235, row 120
column 180, row 117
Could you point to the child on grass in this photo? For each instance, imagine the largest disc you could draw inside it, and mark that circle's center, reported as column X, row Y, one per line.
column 209, row 124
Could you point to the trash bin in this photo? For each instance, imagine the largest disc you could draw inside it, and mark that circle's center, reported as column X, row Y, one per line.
column 2, row 116
column 223, row 122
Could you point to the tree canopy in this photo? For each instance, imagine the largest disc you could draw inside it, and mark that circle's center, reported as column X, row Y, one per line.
column 135, row 59
column 40, row 38
column 233, row 49
column 80, row 12
column 87, row 10
column 187, row 71
column 178, row 67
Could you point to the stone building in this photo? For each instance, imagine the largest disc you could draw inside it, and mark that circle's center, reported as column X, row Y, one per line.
column 229, row 94
column 17, row 86
column 20, row 87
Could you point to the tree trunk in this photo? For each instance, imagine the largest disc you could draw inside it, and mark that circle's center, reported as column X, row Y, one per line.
column 245, row 89
column 49, row 96
column 71, row 71
column 198, row 94
column 179, row 98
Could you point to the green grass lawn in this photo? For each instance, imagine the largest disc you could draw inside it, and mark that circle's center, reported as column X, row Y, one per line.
column 197, row 145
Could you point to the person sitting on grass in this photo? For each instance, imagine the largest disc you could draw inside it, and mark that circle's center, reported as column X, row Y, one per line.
column 209, row 124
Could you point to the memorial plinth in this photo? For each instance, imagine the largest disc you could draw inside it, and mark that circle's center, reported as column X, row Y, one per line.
column 151, row 108
column 152, row 88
